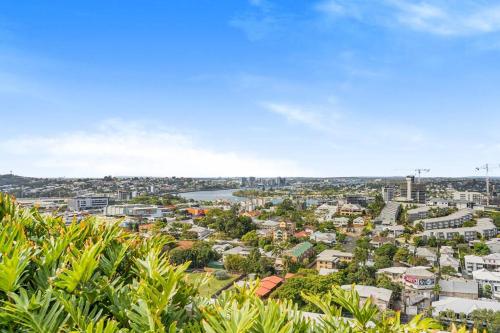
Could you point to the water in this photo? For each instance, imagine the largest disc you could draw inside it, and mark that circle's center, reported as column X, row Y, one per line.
column 212, row 195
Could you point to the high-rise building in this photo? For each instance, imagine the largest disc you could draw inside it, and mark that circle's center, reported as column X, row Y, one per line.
column 388, row 193
column 412, row 191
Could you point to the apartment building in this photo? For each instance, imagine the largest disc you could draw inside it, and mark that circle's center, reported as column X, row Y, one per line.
column 418, row 213
column 483, row 277
column 474, row 263
column 453, row 220
column 484, row 227
column 389, row 214
column 330, row 258
column 475, row 197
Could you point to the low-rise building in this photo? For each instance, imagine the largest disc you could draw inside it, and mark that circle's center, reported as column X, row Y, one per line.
column 323, row 237
column 439, row 202
column 461, row 306
column 474, row 263
column 86, row 203
column 381, row 297
column 300, row 251
column 458, row 287
column 484, row 277
column 484, row 227
column 267, row 285
column 418, row 213
column 284, row 231
column 453, row 220
column 389, row 214
column 330, row 258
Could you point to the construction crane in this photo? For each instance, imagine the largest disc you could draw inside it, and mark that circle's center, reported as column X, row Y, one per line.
column 419, row 171
column 487, row 168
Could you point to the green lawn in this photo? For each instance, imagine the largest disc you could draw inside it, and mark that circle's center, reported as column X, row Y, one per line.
column 212, row 285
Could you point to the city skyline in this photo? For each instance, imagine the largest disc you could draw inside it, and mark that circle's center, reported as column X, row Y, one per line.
column 260, row 88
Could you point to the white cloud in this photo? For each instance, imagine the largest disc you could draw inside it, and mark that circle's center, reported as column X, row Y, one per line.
column 432, row 16
column 130, row 149
column 314, row 119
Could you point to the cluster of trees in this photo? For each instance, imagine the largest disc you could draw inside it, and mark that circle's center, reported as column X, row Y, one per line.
column 306, row 281
column 253, row 263
column 483, row 319
column 377, row 205
column 228, row 222
column 384, row 255
column 199, row 255
column 165, row 200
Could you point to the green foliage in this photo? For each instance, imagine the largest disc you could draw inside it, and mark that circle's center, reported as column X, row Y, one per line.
column 377, row 205
column 254, row 263
column 481, row 249
column 228, row 222
column 199, row 255
column 309, row 283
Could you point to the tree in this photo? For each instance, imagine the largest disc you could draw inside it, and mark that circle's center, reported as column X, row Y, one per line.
column 448, row 270
column 487, row 291
column 402, row 255
column 251, row 238
column 377, row 205
column 481, row 249
column 235, row 263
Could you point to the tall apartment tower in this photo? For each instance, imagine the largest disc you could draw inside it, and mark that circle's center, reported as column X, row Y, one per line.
column 388, row 193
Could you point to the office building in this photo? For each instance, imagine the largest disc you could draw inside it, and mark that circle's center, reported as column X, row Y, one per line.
column 86, row 203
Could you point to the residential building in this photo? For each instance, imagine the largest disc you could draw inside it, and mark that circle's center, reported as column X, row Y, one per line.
column 395, row 274
column 284, row 231
column 300, row 251
column 358, row 221
column 439, row 202
column 381, row 297
column 323, row 237
column 388, row 193
column 389, row 214
column 267, row 285
column 474, row 263
column 458, row 287
column 484, row 227
column 449, row 260
column 201, row 232
column 418, row 213
column 134, row 210
column 418, row 291
column 484, row 277
column 419, row 278
column 330, row 258
column 351, row 209
column 461, row 306
column 453, row 220
column 475, row 197
column 395, row 230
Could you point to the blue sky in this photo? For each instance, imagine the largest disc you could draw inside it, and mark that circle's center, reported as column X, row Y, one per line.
column 235, row 88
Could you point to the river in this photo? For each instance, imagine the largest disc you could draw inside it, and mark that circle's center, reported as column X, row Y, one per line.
column 213, row 195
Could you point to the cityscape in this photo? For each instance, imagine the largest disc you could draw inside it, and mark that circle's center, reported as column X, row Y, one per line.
column 250, row 166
